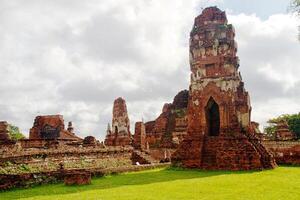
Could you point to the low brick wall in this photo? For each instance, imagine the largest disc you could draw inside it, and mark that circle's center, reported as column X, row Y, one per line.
column 280, row 144
column 25, row 180
column 39, row 155
column 161, row 153
column 8, row 181
column 284, row 152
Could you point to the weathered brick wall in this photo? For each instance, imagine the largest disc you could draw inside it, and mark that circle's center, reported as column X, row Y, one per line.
column 284, row 152
column 229, row 153
column 220, row 152
column 42, row 143
column 8, row 181
column 270, row 144
column 61, row 155
column 168, row 129
column 161, row 153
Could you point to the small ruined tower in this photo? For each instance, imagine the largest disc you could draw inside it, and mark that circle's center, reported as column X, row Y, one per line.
column 120, row 134
column 120, row 120
column 108, row 129
column 282, row 131
column 219, row 107
column 70, row 127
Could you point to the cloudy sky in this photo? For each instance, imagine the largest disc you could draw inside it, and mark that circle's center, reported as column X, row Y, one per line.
column 75, row 57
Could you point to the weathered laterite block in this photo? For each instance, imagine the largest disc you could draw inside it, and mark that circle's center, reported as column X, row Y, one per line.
column 77, row 178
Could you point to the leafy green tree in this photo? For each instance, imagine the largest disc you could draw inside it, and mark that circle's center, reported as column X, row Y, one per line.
column 292, row 120
column 294, row 124
column 280, row 118
column 270, row 131
column 295, row 7
column 14, row 132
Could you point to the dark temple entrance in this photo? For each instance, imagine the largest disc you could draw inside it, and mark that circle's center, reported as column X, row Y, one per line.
column 212, row 118
column 50, row 132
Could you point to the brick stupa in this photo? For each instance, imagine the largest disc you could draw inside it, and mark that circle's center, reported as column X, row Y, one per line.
column 119, row 134
column 282, row 131
column 219, row 108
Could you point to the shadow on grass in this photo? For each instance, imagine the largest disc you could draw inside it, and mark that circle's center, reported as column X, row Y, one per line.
column 113, row 181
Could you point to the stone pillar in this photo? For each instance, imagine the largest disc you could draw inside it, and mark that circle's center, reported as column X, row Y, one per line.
column 139, row 136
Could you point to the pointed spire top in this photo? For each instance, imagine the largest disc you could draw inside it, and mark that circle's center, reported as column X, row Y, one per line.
column 108, row 127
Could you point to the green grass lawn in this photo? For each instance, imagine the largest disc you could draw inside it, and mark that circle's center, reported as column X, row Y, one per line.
column 172, row 184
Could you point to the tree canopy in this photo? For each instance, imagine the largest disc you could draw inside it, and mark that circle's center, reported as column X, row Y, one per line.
column 295, row 4
column 294, row 124
column 295, row 7
column 293, row 121
column 14, row 132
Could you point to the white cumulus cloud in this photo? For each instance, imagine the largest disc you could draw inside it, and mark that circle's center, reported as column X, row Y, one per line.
column 75, row 57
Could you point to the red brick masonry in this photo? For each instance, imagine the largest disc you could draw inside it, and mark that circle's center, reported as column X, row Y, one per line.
column 218, row 132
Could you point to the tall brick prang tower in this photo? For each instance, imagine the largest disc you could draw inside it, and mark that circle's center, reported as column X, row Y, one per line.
column 219, row 108
column 120, row 134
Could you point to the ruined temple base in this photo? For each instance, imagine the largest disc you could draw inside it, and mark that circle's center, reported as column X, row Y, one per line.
column 285, row 152
column 223, row 153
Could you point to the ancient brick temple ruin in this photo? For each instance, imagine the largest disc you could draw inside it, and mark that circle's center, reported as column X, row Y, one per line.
column 119, row 134
column 282, row 131
column 161, row 137
column 52, row 127
column 219, row 107
column 208, row 126
column 169, row 128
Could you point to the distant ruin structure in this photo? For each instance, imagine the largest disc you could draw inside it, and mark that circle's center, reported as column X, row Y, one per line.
column 169, row 128
column 219, row 111
column 4, row 136
column 282, row 131
column 51, row 127
column 70, row 127
column 119, row 134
